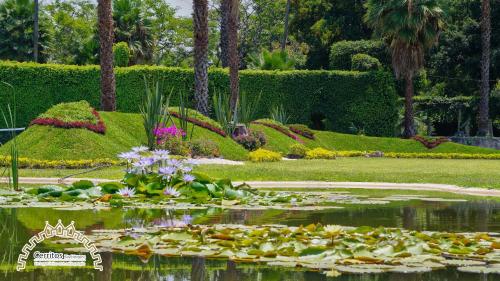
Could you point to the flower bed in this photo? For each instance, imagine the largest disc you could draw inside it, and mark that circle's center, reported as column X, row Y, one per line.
column 302, row 130
column 431, row 143
column 200, row 123
column 99, row 128
column 28, row 163
column 280, row 128
column 72, row 115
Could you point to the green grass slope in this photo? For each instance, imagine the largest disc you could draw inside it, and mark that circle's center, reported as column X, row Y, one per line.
column 124, row 131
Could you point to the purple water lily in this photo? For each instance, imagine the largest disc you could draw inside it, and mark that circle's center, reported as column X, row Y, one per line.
column 126, row 192
column 188, row 178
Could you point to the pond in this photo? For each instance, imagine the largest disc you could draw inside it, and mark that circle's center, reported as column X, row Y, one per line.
column 445, row 213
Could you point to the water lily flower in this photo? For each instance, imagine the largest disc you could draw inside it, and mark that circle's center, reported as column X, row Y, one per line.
column 186, row 169
column 175, row 162
column 126, row 192
column 188, row 178
column 161, row 154
column 129, row 156
column 170, row 191
column 168, row 171
column 139, row 149
column 333, row 230
column 187, row 219
column 143, row 164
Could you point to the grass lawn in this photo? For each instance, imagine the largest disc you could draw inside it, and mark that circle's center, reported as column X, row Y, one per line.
column 125, row 130
column 467, row 173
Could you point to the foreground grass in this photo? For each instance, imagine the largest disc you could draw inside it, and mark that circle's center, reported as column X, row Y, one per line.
column 467, row 173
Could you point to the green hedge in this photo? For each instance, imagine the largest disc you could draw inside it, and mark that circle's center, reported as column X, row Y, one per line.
column 345, row 98
column 341, row 52
column 364, row 62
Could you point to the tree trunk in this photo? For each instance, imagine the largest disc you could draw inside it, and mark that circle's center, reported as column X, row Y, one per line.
column 200, row 23
column 35, row 31
column 409, row 123
column 234, row 60
column 483, row 122
column 223, row 44
column 108, row 87
column 285, row 32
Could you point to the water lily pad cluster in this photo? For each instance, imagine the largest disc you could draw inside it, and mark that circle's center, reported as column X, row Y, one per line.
column 332, row 249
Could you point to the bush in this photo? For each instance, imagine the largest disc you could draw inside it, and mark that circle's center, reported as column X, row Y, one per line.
column 320, row 153
column 121, row 54
column 297, row 151
column 341, row 53
column 252, row 141
column 366, row 99
column 262, row 155
column 204, row 148
column 364, row 62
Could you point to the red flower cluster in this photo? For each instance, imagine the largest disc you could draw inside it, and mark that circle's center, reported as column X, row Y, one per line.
column 279, row 129
column 299, row 131
column 430, row 143
column 99, row 128
column 200, row 124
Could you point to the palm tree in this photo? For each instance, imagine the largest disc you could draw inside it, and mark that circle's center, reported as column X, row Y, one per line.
column 233, row 57
column 224, row 14
column 483, row 120
column 285, row 31
column 200, row 23
column 108, row 87
column 36, row 31
column 409, row 27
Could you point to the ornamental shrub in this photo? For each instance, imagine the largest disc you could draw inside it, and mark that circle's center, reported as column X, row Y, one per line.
column 121, row 54
column 364, row 62
column 252, row 141
column 302, row 130
column 204, row 148
column 320, row 153
column 297, row 151
column 366, row 99
column 341, row 53
column 263, row 155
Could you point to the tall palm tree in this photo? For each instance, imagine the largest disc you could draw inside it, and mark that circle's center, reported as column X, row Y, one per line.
column 108, row 87
column 233, row 57
column 285, row 31
column 483, row 120
column 36, row 32
column 200, row 22
column 224, row 15
column 409, row 27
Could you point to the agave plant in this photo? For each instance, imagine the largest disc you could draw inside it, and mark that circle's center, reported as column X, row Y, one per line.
column 154, row 108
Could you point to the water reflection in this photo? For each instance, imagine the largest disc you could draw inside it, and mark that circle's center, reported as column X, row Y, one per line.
column 18, row 225
column 198, row 269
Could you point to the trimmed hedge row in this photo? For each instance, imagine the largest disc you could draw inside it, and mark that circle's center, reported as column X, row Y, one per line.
column 365, row 99
column 341, row 52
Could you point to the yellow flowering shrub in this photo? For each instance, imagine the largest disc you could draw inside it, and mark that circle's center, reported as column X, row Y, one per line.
column 59, row 164
column 320, row 153
column 263, row 155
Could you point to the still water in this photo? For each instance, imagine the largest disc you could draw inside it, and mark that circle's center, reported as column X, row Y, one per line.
column 18, row 225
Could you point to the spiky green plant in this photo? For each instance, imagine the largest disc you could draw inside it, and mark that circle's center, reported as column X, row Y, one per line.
column 10, row 122
column 154, row 108
column 279, row 114
column 247, row 108
column 223, row 113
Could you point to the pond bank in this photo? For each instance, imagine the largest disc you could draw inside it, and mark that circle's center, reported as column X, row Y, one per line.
column 308, row 184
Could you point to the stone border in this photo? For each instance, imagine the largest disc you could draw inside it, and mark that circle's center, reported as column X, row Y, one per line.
column 310, row 184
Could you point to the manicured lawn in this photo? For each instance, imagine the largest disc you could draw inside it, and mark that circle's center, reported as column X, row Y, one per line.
column 468, row 173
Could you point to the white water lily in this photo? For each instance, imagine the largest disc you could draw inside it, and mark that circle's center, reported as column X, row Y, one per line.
column 333, row 230
column 170, row 191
